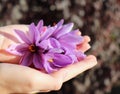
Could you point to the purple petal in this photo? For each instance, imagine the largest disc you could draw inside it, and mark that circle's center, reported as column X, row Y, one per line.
column 64, row 30
column 40, row 25
column 75, row 32
column 31, row 32
column 54, row 43
column 47, row 33
column 80, row 55
column 27, row 59
column 43, row 44
column 58, row 26
column 70, row 38
column 56, row 50
column 73, row 57
column 60, row 23
column 47, row 65
column 34, row 33
column 68, row 47
column 22, row 36
column 61, row 60
column 12, row 50
column 37, row 61
column 22, row 48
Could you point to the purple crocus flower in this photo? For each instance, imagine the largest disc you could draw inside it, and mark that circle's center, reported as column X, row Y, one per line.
column 66, row 38
column 55, row 58
column 30, row 48
column 48, row 48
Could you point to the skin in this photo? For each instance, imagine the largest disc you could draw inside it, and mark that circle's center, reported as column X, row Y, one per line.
column 17, row 79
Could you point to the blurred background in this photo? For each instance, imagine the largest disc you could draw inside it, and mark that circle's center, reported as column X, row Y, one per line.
column 100, row 19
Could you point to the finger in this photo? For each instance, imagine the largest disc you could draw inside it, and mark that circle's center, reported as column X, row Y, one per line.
column 77, row 68
column 86, row 39
column 79, row 33
column 9, row 58
column 23, row 79
column 7, row 33
column 10, row 28
column 83, row 47
column 80, row 67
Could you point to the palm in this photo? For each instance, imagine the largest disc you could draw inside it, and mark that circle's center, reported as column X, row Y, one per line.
column 39, row 81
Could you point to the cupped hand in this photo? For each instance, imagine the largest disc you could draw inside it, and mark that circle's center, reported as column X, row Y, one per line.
column 7, row 37
column 20, row 79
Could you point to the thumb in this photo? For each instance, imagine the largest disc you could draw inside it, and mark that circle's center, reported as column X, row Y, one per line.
column 77, row 68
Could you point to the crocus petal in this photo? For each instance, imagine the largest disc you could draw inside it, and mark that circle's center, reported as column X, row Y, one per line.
column 47, row 65
column 40, row 25
column 68, row 47
column 12, row 50
column 75, row 32
column 22, row 48
column 54, row 43
column 64, row 30
column 37, row 61
column 80, row 55
column 60, row 23
column 73, row 57
column 61, row 60
column 22, row 36
column 34, row 33
column 56, row 50
column 32, row 30
column 43, row 44
column 69, row 38
column 47, row 33
column 58, row 26
column 27, row 59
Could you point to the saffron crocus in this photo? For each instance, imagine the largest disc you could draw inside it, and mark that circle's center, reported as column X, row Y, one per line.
column 30, row 48
column 67, row 39
column 48, row 48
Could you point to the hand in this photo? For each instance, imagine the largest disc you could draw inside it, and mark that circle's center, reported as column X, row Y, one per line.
column 20, row 79
column 7, row 37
